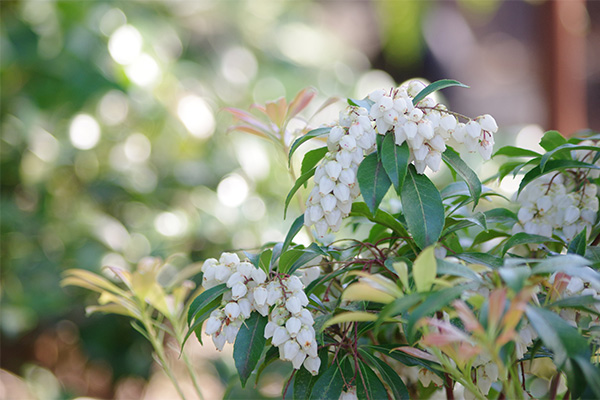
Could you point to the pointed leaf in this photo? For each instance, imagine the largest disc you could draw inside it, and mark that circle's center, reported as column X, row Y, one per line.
column 299, row 182
column 397, row 387
column 561, row 149
column 368, row 385
column 452, row 158
column 424, row 269
column 525, row 238
column 302, row 99
column 578, row 244
column 553, row 165
column 373, row 181
column 351, row 316
column 395, row 160
column 512, row 151
column 481, row 258
column 311, row 134
column 435, row 86
column 551, row 140
column 294, row 229
column 423, row 208
column 312, row 158
column 365, row 103
column 204, row 299
column 329, row 385
column 249, row 344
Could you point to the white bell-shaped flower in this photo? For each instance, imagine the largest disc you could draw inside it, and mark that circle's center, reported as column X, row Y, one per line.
column 312, row 364
column 213, row 325
column 293, row 326
column 280, row 336
column 232, row 310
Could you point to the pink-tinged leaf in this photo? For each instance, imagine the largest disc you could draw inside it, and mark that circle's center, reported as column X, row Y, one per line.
column 124, row 276
column 416, row 353
column 467, row 317
column 260, row 108
column 449, row 330
column 248, row 118
column 496, row 306
column 276, row 111
column 439, row 340
column 248, row 129
column 514, row 315
column 466, row 351
column 327, row 103
column 561, row 281
column 302, row 99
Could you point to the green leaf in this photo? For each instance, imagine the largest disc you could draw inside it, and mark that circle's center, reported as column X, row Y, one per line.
column 435, row 301
column 329, row 385
column 485, row 236
column 591, row 373
column 481, row 258
column 312, row 134
column 512, row 151
column 395, row 160
column 409, row 360
column 299, row 182
column 562, row 149
column 551, row 140
column 312, row 158
column 423, row 208
column 373, row 181
column 203, row 300
column 294, row 229
column 304, row 380
column 570, row 264
column 515, row 277
column 578, row 302
column 553, row 165
column 365, row 103
column 452, row 158
column 399, row 306
column 560, row 337
column 249, row 344
column 435, row 86
column 264, row 261
column 368, row 385
column 424, row 269
column 381, row 217
column 397, row 387
column 455, row 269
column 578, row 244
column 525, row 238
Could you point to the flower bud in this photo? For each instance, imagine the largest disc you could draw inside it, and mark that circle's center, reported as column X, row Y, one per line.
column 312, row 364
column 235, row 278
column 258, row 275
column 290, row 349
column 298, row 359
column 212, row 325
column 473, row 129
column 293, row 326
column 229, row 259
column 425, row 129
column 245, row 268
column 348, row 143
column 294, row 284
column 238, row 290
column 488, row 123
column 232, row 310
column 245, row 307
column 336, row 133
column 219, row 341
column 270, row 329
column 280, row 336
column 293, row 305
column 333, row 169
column 260, row 295
column 328, row 203
column 348, row 177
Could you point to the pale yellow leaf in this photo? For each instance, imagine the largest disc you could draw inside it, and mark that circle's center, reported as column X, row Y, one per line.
column 351, row 316
column 361, row 291
column 424, row 269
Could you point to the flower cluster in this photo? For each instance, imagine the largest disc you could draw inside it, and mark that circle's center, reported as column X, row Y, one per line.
column 553, row 203
column 282, row 299
column 335, row 177
column 426, row 128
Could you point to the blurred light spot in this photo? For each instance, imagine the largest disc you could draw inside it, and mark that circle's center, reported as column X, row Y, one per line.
column 268, row 89
column 271, row 235
column 67, row 331
column 142, row 179
column 306, row 45
column 143, row 71
column 254, row 208
column 232, row 191
column 50, row 44
column 529, row 138
column 113, row 107
column 373, row 80
column 196, row 115
column 117, row 158
column 193, row 173
column 44, row 145
column 136, row 214
column 125, row 44
column 170, row 224
column 111, row 232
column 41, row 382
column 36, row 12
column 84, row 132
column 244, row 239
column 137, row 248
column 111, row 20
column 16, row 320
column 239, row 65
column 509, row 185
column 168, row 45
column 343, row 72
column 32, row 168
column 137, row 148
column 252, row 157
column 113, row 260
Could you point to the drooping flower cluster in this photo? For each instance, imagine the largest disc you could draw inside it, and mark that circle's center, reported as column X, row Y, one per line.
column 282, row 299
column 335, row 177
column 426, row 128
column 554, row 204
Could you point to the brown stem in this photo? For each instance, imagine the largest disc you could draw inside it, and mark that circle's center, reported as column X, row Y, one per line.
column 448, row 386
column 554, row 386
column 287, row 386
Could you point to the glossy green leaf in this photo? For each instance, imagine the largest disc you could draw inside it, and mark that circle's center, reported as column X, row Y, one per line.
column 564, row 148
column 304, row 380
column 312, row 158
column 551, row 140
column 330, row 384
column 264, row 261
column 485, row 236
column 249, row 344
column 445, row 267
column 556, row 333
column 203, row 300
column 481, row 258
column 373, row 181
column 553, row 165
column 435, row 86
column 395, row 160
column 365, row 103
column 397, row 387
column 294, row 229
column 591, row 373
column 423, row 208
column 299, row 182
column 391, row 350
column 512, row 151
column 515, row 277
column 578, row 244
column 453, row 159
column 312, row 134
column 368, row 384
column 525, row 238
column 380, row 217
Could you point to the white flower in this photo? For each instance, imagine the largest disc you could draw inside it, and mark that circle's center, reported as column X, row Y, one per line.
column 280, row 336
column 219, row 341
column 349, row 394
column 238, row 290
column 328, row 203
column 312, row 364
column 258, row 275
column 488, row 123
column 298, row 359
column 306, row 317
column 232, row 310
column 213, row 325
column 230, row 331
column 270, row 329
column 222, row 273
column 305, row 337
column 293, row 326
column 229, row 259
column 235, row 278
column 293, row 305
column 473, row 129
column 245, row 307
column 290, row 350
column 245, row 269
column 260, row 295
column 294, row 284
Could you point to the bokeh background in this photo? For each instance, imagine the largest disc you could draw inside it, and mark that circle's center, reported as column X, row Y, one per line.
column 115, row 143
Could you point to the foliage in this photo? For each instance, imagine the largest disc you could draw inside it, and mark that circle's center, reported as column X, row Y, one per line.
column 470, row 298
